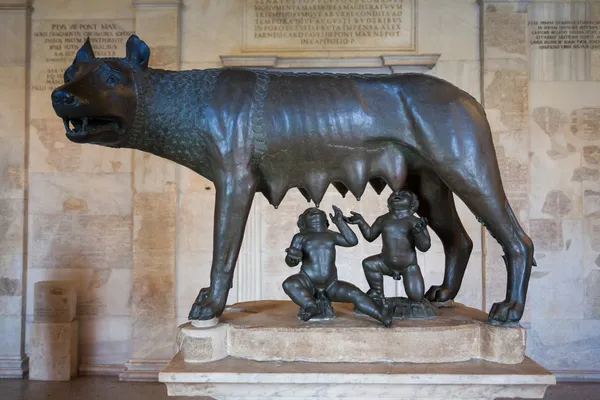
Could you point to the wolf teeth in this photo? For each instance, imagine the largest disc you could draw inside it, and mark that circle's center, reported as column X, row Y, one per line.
column 67, row 127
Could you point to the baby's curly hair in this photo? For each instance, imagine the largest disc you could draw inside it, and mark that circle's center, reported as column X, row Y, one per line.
column 414, row 205
column 302, row 218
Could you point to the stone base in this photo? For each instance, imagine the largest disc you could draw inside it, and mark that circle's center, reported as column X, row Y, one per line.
column 270, row 331
column 142, row 370
column 53, row 351
column 234, row 378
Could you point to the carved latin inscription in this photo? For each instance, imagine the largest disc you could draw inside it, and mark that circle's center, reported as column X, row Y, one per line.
column 55, row 43
column 554, row 35
column 297, row 25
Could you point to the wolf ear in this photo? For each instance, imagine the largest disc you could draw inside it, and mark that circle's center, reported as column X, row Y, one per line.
column 85, row 53
column 138, row 52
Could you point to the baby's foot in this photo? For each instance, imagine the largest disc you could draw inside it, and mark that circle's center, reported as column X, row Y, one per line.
column 387, row 314
column 309, row 312
column 377, row 296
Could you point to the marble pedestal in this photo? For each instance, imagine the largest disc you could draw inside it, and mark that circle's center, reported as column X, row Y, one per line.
column 54, row 332
column 270, row 331
column 260, row 350
column 234, row 378
column 53, row 351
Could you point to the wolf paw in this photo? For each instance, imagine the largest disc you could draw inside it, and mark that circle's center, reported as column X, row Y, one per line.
column 204, row 311
column 202, row 295
column 505, row 312
column 439, row 294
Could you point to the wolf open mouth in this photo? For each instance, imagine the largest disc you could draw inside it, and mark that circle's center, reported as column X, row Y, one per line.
column 78, row 129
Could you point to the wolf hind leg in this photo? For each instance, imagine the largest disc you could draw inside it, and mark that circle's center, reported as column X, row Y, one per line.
column 482, row 191
column 436, row 203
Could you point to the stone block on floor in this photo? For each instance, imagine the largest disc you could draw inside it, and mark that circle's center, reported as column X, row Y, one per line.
column 53, row 351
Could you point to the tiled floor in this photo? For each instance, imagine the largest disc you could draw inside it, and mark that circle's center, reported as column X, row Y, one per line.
column 106, row 388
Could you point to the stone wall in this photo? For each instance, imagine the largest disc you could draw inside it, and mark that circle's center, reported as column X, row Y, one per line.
column 135, row 231
column 541, row 88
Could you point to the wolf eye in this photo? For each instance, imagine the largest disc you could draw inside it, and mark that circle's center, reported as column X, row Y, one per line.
column 112, row 80
column 68, row 75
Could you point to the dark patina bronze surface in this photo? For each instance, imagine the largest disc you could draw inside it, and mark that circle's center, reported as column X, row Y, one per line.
column 402, row 233
column 317, row 283
column 252, row 131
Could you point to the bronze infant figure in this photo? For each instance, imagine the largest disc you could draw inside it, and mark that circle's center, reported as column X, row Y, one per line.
column 317, row 282
column 401, row 232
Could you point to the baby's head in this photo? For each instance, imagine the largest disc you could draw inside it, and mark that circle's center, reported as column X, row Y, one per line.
column 313, row 218
column 403, row 200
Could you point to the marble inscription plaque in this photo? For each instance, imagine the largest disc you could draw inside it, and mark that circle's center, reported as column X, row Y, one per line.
column 301, row 25
column 554, row 35
column 563, row 42
column 55, row 43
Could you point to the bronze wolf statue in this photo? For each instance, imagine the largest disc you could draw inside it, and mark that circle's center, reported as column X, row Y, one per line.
column 252, row 131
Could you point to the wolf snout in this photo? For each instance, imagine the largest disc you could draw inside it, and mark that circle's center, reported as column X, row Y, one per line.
column 61, row 97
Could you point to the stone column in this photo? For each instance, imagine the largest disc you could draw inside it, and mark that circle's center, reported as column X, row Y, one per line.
column 505, row 84
column 154, row 209
column 15, row 17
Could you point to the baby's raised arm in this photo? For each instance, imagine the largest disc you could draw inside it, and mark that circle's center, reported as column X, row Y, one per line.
column 294, row 252
column 421, row 235
column 347, row 238
column 369, row 232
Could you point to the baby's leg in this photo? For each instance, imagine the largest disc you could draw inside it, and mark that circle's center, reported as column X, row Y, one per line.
column 302, row 292
column 413, row 283
column 345, row 292
column 375, row 268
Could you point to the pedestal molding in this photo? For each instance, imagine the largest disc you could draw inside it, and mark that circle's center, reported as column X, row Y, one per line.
column 14, row 367
column 16, row 7
column 142, row 370
column 156, row 4
column 101, row 369
column 385, row 64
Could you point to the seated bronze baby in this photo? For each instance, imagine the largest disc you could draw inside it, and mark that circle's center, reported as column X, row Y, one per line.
column 317, row 283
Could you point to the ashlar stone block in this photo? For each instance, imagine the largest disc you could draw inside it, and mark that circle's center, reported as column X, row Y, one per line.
column 53, row 351
column 55, row 301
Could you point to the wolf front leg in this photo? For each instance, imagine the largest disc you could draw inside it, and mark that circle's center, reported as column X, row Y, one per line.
column 233, row 202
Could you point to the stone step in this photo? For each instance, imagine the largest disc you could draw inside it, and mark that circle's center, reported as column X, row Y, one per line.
column 233, row 378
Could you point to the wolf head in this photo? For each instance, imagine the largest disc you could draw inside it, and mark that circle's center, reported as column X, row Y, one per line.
column 98, row 100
